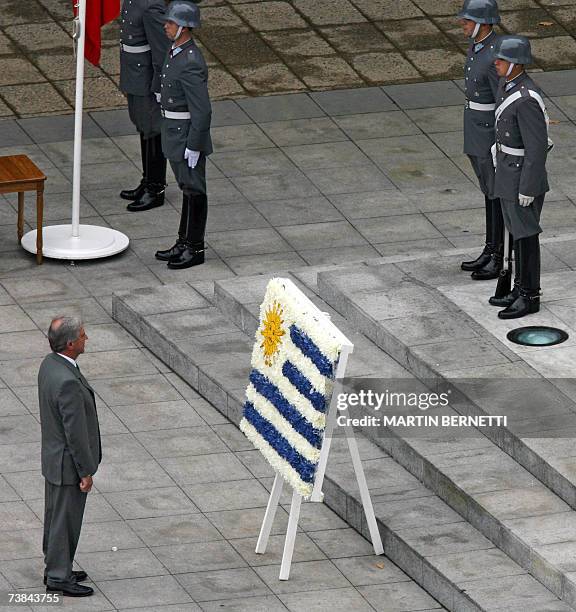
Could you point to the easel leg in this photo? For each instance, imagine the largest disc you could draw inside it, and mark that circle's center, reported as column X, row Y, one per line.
column 290, row 536
column 364, row 493
column 270, row 514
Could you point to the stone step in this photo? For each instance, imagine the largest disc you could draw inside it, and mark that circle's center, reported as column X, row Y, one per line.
column 523, row 511
column 433, row 544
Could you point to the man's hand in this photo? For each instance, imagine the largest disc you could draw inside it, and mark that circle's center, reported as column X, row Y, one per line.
column 192, row 157
column 493, row 151
column 525, row 200
column 158, row 96
column 86, row 484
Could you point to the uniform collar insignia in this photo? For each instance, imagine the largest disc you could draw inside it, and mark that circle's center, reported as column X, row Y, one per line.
column 482, row 43
column 175, row 50
column 517, row 79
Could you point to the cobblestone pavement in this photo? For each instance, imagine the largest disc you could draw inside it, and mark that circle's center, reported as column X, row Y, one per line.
column 273, row 46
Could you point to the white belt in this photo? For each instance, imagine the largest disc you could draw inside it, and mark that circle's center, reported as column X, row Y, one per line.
column 480, row 107
column 510, row 150
column 131, row 49
column 175, row 115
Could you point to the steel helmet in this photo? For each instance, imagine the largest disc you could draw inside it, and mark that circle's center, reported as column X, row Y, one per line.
column 513, row 49
column 183, row 13
column 480, row 11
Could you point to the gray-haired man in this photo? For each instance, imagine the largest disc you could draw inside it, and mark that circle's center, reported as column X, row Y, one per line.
column 71, row 453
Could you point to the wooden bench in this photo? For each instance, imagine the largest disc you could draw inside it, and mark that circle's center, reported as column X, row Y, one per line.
column 18, row 174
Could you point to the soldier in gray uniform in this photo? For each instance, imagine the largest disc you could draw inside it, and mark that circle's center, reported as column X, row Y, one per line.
column 477, row 19
column 143, row 46
column 186, row 140
column 521, row 181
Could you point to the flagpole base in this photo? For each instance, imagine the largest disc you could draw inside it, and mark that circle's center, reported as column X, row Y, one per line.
column 94, row 242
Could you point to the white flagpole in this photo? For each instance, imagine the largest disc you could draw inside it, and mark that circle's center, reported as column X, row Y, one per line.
column 75, row 241
column 79, row 107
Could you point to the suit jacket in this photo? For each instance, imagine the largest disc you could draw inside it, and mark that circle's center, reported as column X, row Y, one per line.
column 481, row 85
column 71, row 445
column 521, row 125
column 185, row 89
column 142, row 24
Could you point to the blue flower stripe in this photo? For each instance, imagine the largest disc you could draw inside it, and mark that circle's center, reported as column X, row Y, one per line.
column 305, row 468
column 309, row 348
column 304, row 386
column 270, row 391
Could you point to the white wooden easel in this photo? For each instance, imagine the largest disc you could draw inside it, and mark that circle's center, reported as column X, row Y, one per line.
column 317, row 495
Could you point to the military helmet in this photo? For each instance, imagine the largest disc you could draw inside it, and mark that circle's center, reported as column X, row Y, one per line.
column 183, row 13
column 513, row 49
column 480, row 11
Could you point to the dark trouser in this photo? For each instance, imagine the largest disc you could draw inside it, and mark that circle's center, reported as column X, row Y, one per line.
column 527, row 251
column 484, row 170
column 192, row 182
column 63, row 513
column 144, row 113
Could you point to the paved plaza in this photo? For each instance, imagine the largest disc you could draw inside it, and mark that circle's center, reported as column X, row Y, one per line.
column 298, row 182
column 352, row 181
column 273, row 46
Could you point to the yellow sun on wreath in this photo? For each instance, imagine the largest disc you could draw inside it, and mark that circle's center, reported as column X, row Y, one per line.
column 272, row 333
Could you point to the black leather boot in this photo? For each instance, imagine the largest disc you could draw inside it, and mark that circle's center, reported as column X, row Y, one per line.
column 526, row 303
column 173, row 252
column 484, row 257
column 193, row 253
column 528, row 300
column 135, row 194
column 479, row 262
column 492, row 269
column 495, row 232
column 180, row 246
column 153, row 195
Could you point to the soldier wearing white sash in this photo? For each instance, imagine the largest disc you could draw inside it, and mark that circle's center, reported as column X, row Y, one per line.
column 521, row 180
column 477, row 19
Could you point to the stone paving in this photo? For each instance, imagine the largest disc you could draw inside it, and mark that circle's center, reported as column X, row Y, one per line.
column 181, row 495
column 273, row 46
column 372, row 172
column 476, row 499
column 303, row 179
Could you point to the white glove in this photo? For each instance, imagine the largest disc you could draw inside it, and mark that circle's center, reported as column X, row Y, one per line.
column 158, row 96
column 192, row 157
column 493, row 151
column 525, row 200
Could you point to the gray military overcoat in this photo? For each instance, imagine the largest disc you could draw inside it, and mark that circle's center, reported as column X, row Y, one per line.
column 185, row 89
column 71, row 445
column 142, row 24
column 481, row 86
column 521, row 125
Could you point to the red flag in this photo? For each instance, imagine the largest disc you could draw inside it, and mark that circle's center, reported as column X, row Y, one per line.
column 98, row 13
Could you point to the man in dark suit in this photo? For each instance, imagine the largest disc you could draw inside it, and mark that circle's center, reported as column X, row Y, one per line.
column 71, row 453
